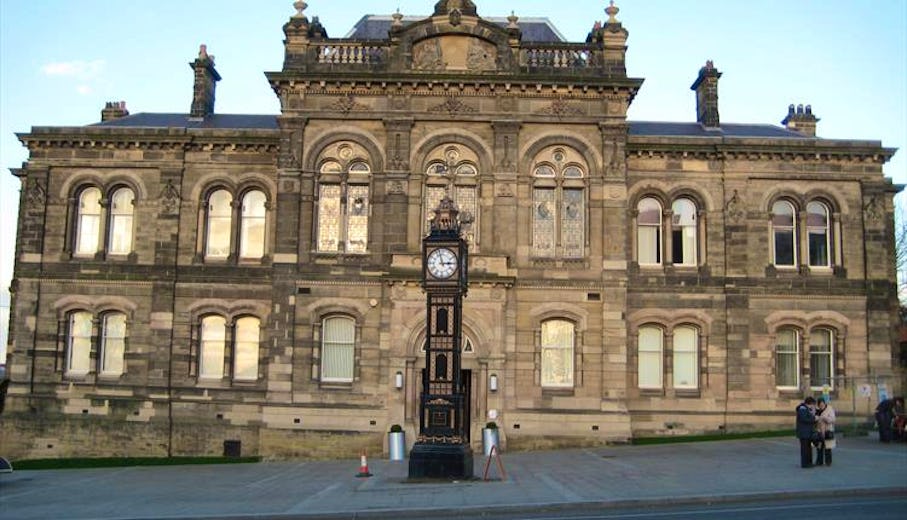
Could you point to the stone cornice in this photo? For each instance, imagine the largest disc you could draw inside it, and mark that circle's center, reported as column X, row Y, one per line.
column 169, row 139
column 758, row 149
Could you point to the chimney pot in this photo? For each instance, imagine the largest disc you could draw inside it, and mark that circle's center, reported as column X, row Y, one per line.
column 113, row 110
column 802, row 121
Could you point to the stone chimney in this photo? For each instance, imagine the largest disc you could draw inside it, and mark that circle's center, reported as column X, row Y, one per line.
column 801, row 120
column 114, row 110
column 206, row 78
column 706, row 87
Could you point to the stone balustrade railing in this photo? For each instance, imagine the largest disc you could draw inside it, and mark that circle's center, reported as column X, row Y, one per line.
column 354, row 53
column 570, row 56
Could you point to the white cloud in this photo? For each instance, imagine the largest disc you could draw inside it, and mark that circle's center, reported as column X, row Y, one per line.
column 77, row 68
column 84, row 90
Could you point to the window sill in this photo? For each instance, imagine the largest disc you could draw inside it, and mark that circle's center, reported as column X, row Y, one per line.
column 336, row 386
column 651, row 392
column 687, row 393
column 558, row 392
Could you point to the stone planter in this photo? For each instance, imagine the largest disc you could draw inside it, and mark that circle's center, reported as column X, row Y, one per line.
column 490, row 437
column 396, row 445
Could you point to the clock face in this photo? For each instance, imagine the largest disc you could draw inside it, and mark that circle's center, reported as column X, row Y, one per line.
column 442, row 263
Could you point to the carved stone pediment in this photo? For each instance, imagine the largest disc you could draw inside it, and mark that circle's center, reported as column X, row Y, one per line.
column 454, row 52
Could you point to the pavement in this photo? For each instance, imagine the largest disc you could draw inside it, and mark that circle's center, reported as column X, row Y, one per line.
column 612, row 476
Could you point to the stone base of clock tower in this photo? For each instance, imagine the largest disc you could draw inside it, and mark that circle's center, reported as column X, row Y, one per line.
column 441, row 461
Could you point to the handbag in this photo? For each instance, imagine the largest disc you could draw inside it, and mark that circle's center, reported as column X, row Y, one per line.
column 829, row 435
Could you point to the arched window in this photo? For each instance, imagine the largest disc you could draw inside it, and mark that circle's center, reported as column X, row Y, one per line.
column 648, row 225
column 686, row 357
column 219, row 224
column 88, row 222
column 213, row 346
column 817, row 220
column 784, row 231
column 252, row 232
column 650, row 355
column 821, row 358
column 113, row 344
column 787, row 358
column 78, row 344
column 121, row 221
column 559, row 204
column 338, row 342
column 343, row 207
column 452, row 171
column 557, row 346
column 246, row 340
column 684, row 233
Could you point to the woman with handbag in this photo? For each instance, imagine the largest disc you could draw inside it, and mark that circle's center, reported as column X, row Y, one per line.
column 825, row 423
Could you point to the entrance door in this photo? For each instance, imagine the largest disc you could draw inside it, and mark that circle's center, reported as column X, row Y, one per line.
column 466, row 376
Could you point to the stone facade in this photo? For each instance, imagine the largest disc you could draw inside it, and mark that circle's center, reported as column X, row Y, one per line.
column 626, row 278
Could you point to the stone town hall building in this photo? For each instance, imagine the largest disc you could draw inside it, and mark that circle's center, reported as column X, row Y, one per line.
column 188, row 280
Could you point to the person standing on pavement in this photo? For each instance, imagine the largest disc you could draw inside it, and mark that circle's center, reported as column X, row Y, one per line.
column 886, row 411
column 806, row 427
column 825, row 424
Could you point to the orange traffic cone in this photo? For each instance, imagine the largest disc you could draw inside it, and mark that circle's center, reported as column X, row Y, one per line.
column 363, row 466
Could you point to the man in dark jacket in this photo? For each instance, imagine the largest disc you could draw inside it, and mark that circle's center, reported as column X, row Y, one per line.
column 806, row 425
column 886, row 412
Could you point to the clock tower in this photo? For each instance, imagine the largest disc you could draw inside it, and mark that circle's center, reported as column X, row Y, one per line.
column 442, row 449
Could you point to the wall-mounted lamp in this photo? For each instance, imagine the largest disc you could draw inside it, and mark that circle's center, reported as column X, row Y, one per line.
column 398, row 380
column 493, row 382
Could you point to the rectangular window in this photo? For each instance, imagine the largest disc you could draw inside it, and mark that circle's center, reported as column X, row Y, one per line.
column 650, row 359
column 544, row 222
column 337, row 350
column 686, row 357
column 649, row 239
column 784, row 247
column 89, row 229
column 357, row 219
column 329, row 218
column 113, row 345
column 245, row 359
column 820, row 359
column 572, row 223
column 787, row 365
column 818, row 249
column 213, row 343
column 683, row 245
column 79, row 347
column 557, row 354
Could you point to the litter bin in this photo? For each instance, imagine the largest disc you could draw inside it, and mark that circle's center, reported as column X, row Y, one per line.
column 396, row 445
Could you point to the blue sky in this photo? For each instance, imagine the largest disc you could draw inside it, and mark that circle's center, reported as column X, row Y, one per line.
column 60, row 61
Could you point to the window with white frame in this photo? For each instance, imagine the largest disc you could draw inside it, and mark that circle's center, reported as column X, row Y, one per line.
column 686, row 357
column 648, row 226
column 219, row 224
column 819, row 238
column 246, row 339
column 557, row 347
column 88, row 222
column 252, row 228
column 213, row 342
column 78, row 344
column 113, row 344
column 787, row 358
column 122, row 205
column 821, row 358
column 338, row 343
column 650, row 351
column 684, row 232
column 784, row 234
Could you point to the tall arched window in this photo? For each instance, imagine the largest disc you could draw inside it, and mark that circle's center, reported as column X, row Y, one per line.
column 787, row 358
column 821, row 358
column 452, row 171
column 219, row 224
column 559, row 204
column 88, row 227
column 686, row 357
column 784, row 234
column 121, row 221
column 338, row 343
column 343, row 205
column 557, row 345
column 650, row 357
column 817, row 220
column 213, row 343
column 246, row 340
column 648, row 223
column 252, row 232
column 78, row 347
column 113, row 344
column 684, row 233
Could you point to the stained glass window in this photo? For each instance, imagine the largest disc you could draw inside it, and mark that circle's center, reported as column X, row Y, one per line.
column 329, row 218
column 572, row 223
column 544, row 222
column 557, row 353
column 357, row 219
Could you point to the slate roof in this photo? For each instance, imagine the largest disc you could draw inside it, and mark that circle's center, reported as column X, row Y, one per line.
column 269, row 122
column 376, row 27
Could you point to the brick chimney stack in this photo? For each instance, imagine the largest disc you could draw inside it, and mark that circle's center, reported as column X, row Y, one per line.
column 206, row 78
column 114, row 110
column 801, row 120
column 706, row 87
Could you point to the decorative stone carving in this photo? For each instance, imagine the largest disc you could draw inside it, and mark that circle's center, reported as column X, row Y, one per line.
column 427, row 55
column 453, row 106
column 36, row 193
column 396, row 188
column 480, row 56
column 874, row 210
column 170, row 199
column 616, row 162
column 734, row 208
column 348, row 104
column 561, row 108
